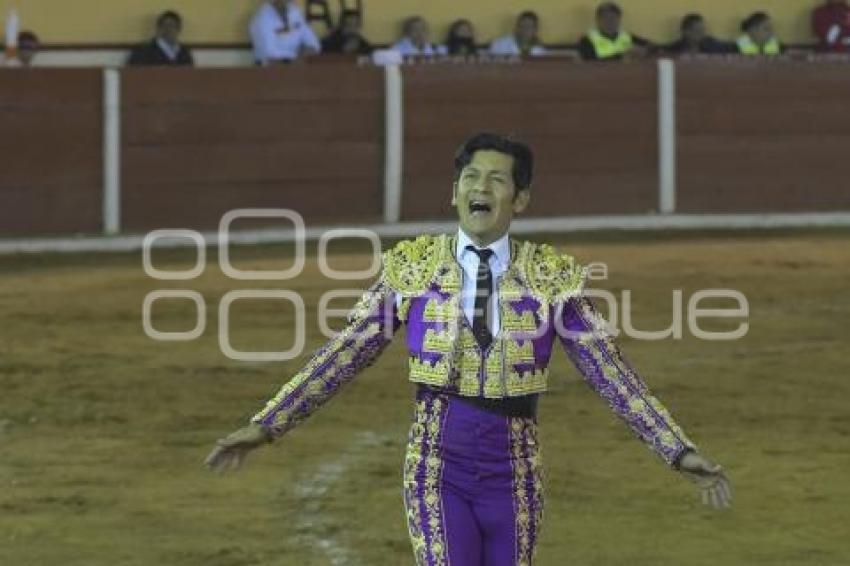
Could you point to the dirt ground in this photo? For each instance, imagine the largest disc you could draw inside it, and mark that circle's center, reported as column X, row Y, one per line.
column 103, row 430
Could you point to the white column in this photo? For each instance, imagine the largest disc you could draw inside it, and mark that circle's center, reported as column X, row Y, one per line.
column 393, row 149
column 111, row 151
column 666, row 136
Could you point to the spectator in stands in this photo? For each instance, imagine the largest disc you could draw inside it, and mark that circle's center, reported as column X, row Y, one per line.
column 758, row 38
column 696, row 40
column 346, row 38
column 280, row 34
column 524, row 40
column 831, row 24
column 461, row 38
column 608, row 40
column 165, row 47
column 415, row 39
column 28, row 46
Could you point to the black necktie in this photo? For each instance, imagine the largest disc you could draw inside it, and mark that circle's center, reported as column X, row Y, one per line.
column 483, row 291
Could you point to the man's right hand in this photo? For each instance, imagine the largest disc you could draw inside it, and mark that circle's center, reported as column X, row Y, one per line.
column 232, row 450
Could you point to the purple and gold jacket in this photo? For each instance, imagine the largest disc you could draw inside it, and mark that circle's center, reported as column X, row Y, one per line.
column 540, row 298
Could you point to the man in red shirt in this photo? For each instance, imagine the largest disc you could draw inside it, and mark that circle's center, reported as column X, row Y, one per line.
column 831, row 23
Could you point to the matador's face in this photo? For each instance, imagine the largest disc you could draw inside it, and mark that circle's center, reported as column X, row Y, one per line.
column 486, row 197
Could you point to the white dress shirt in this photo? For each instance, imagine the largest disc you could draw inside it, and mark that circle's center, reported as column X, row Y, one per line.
column 170, row 51
column 273, row 40
column 508, row 46
column 468, row 261
column 406, row 48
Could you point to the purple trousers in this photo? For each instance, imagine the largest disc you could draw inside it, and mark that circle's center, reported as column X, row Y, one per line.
column 473, row 485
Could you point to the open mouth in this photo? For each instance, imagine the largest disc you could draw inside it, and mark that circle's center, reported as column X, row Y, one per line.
column 479, row 207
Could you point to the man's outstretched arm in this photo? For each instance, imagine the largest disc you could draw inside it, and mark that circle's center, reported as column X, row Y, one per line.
column 371, row 325
column 592, row 349
column 370, row 328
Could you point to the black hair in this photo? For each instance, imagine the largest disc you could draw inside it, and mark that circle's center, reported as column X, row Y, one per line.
column 690, row 20
column 457, row 45
column 529, row 14
column 28, row 38
column 611, row 7
column 456, row 24
column 484, row 141
column 753, row 20
column 408, row 24
column 169, row 15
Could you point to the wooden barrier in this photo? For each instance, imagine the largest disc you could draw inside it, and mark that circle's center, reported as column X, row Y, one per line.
column 196, row 143
column 760, row 136
column 592, row 128
column 199, row 143
column 51, row 147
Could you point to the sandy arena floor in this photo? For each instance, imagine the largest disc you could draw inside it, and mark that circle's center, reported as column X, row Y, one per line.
column 103, row 430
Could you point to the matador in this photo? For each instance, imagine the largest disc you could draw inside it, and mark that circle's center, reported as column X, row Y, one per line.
column 482, row 312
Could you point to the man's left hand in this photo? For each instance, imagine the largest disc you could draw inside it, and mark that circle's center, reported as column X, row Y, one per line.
column 712, row 481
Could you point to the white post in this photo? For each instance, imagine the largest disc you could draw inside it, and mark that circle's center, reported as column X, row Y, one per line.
column 393, row 150
column 111, row 151
column 666, row 136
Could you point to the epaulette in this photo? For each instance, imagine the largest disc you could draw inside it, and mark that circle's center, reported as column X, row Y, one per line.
column 552, row 275
column 411, row 265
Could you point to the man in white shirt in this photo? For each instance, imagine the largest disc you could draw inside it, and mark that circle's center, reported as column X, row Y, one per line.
column 415, row 39
column 280, row 33
column 524, row 40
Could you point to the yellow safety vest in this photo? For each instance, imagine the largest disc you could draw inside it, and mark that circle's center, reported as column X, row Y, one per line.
column 606, row 48
column 748, row 47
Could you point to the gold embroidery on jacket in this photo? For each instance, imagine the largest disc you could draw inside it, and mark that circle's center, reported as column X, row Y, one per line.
column 423, row 371
column 536, row 272
column 438, row 342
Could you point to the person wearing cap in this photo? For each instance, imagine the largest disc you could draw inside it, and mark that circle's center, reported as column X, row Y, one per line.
column 695, row 39
column 831, row 25
column 415, row 39
column 165, row 48
column 524, row 40
column 281, row 34
column 482, row 312
column 608, row 41
column 28, row 46
column 758, row 38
